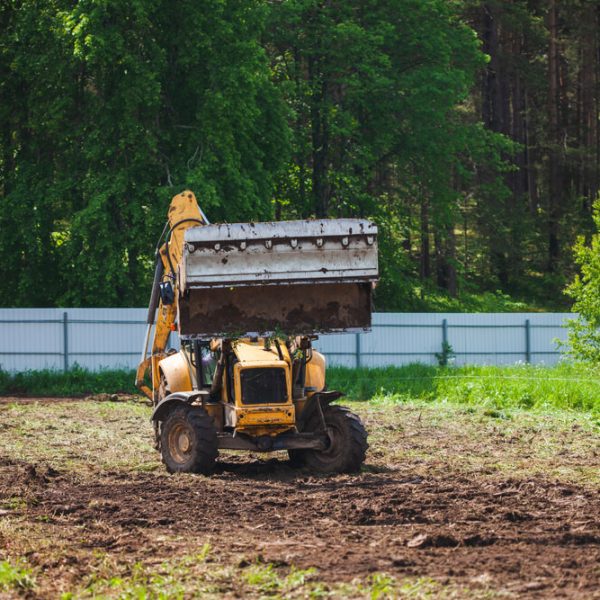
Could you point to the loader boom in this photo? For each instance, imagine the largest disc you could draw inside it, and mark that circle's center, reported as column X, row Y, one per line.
column 184, row 213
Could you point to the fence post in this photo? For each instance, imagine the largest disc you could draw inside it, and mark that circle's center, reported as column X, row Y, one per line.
column 65, row 342
column 444, row 332
column 527, row 341
column 357, row 351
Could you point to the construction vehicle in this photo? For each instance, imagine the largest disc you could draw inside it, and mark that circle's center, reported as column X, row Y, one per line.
column 247, row 300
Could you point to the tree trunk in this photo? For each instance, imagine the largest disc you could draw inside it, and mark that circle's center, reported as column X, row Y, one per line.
column 445, row 255
column 424, row 265
column 320, row 143
column 555, row 179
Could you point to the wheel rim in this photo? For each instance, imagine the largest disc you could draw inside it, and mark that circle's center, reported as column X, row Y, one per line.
column 333, row 448
column 181, row 441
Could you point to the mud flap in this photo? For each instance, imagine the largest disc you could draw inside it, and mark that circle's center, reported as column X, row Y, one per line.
column 321, row 399
column 166, row 404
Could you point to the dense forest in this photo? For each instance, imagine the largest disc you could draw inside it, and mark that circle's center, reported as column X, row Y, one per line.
column 468, row 130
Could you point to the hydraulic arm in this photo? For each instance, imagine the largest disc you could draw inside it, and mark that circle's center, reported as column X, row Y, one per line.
column 184, row 213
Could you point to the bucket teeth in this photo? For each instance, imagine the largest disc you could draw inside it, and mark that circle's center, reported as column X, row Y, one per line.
column 250, row 254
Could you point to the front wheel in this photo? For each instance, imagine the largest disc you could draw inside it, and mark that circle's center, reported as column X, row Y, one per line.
column 347, row 442
column 188, row 441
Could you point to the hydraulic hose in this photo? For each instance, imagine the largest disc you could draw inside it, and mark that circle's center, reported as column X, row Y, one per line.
column 153, row 305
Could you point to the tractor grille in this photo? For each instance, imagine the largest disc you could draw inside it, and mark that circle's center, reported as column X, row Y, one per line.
column 263, row 386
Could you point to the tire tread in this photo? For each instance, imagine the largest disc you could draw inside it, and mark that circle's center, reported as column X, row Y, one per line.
column 207, row 452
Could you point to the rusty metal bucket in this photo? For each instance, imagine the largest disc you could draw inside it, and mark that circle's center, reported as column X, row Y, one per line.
column 296, row 277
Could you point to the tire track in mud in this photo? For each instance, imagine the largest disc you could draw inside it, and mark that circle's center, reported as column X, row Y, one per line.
column 532, row 537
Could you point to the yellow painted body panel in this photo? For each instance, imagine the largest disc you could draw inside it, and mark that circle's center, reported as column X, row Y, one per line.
column 248, row 351
column 259, row 420
column 315, row 373
column 265, row 420
column 178, row 372
column 269, row 419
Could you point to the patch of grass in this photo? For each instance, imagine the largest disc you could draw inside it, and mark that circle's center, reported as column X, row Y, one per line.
column 566, row 386
column 16, row 576
column 15, row 503
column 170, row 579
column 186, row 577
column 428, row 438
column 381, row 586
column 266, row 579
column 80, row 435
column 75, row 382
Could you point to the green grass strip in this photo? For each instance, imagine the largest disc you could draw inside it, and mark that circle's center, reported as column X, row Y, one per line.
column 75, row 382
column 566, row 386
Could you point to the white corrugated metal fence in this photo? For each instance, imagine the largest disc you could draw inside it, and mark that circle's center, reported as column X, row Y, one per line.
column 96, row 338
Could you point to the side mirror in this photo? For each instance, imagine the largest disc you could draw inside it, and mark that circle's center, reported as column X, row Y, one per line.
column 167, row 295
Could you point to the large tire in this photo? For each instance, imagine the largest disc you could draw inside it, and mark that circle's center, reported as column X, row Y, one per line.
column 296, row 458
column 188, row 441
column 347, row 442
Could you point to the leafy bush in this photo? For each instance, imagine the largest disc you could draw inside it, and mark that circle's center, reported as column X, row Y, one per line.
column 584, row 332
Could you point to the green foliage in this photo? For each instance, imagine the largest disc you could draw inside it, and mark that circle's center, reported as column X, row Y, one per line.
column 377, row 93
column 446, row 356
column 584, row 332
column 266, row 579
column 165, row 581
column 437, row 301
column 385, row 109
column 75, row 382
column 106, row 110
column 16, row 576
column 380, row 586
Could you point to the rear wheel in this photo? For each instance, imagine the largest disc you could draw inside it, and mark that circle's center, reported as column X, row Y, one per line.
column 347, row 443
column 188, row 441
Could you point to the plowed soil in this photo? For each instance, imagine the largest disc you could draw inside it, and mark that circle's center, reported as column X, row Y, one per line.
column 518, row 534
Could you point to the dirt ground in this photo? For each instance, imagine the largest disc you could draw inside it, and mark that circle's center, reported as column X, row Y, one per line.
column 452, row 503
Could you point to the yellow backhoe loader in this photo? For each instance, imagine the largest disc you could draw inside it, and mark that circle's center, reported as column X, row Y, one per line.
column 247, row 300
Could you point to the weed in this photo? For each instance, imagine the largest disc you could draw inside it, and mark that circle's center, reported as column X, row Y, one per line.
column 380, row 586
column 446, row 356
column 15, row 503
column 267, row 580
column 16, row 576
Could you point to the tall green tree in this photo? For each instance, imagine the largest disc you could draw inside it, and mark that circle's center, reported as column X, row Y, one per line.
column 377, row 90
column 108, row 108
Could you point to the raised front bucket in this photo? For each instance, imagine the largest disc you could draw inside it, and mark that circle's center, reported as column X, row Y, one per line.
column 290, row 276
